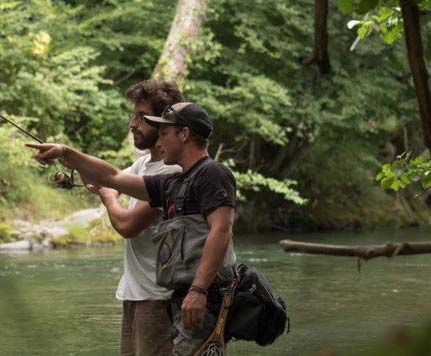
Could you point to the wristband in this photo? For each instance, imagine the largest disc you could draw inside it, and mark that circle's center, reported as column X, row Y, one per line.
column 195, row 288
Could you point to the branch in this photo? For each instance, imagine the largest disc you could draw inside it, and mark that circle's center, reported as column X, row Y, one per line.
column 219, row 152
column 363, row 252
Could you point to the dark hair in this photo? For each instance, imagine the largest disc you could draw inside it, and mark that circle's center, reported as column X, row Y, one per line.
column 159, row 92
column 200, row 141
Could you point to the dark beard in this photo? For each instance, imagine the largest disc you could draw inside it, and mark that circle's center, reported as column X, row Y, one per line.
column 146, row 141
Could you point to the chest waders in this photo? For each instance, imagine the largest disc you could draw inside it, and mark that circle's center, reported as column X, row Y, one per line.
column 180, row 243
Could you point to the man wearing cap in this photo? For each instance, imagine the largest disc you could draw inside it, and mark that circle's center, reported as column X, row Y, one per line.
column 145, row 327
column 194, row 245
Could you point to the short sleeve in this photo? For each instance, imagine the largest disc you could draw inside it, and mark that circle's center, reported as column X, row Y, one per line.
column 215, row 187
column 154, row 185
column 136, row 167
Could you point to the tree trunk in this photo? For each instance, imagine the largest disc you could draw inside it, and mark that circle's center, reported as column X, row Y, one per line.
column 363, row 252
column 320, row 52
column 412, row 30
column 172, row 64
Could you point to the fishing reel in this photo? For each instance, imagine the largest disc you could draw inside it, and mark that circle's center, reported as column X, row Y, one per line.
column 63, row 180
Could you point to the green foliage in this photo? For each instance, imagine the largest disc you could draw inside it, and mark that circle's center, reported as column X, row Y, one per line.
column 98, row 232
column 77, row 235
column 383, row 17
column 64, row 66
column 252, row 181
column 387, row 22
column 5, row 233
column 59, row 86
column 23, row 192
column 274, row 115
column 360, row 6
column 103, row 233
column 405, row 171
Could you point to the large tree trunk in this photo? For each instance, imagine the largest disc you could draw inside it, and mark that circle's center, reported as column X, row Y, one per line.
column 320, row 52
column 172, row 64
column 412, row 30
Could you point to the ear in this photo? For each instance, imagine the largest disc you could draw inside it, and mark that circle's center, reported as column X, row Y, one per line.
column 185, row 134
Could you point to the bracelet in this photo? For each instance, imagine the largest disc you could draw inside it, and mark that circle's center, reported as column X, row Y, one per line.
column 195, row 288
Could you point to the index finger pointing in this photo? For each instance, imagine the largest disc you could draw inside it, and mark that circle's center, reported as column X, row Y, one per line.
column 34, row 145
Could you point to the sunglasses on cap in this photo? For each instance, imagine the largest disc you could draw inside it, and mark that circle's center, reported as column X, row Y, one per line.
column 169, row 113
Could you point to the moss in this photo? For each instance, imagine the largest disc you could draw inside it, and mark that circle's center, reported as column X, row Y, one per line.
column 95, row 223
column 98, row 233
column 104, row 234
column 5, row 233
column 77, row 235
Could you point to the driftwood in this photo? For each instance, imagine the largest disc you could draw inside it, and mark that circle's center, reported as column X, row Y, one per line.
column 362, row 252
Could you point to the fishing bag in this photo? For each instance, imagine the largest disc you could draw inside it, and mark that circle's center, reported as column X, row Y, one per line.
column 255, row 313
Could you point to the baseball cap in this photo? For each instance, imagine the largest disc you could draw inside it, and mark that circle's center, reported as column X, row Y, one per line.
column 190, row 115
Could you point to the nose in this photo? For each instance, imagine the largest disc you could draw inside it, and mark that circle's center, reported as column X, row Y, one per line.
column 159, row 142
column 132, row 123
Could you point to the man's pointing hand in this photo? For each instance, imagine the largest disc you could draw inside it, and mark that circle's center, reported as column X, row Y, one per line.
column 47, row 152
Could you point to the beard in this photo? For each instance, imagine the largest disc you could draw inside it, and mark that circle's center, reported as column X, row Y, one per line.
column 145, row 141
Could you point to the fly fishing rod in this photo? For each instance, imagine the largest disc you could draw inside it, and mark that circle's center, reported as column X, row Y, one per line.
column 60, row 179
column 21, row 129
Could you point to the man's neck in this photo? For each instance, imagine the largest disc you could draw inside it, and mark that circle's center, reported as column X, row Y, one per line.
column 191, row 157
column 156, row 154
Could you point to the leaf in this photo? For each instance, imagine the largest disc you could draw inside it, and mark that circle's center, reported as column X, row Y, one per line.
column 365, row 6
column 363, row 32
column 345, row 6
column 387, row 182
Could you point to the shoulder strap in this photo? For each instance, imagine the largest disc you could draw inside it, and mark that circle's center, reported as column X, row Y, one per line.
column 181, row 195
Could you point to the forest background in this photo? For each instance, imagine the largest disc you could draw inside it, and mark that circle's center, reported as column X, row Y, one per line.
column 305, row 146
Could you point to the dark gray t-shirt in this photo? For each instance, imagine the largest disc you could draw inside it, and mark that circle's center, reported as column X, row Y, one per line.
column 213, row 186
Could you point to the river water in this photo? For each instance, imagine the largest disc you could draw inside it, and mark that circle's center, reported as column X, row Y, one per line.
column 62, row 302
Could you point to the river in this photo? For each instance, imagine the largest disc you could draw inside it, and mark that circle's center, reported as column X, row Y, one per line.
column 61, row 302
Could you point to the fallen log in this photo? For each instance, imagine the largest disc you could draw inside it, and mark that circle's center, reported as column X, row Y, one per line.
column 362, row 252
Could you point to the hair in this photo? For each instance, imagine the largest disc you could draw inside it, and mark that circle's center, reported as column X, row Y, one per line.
column 200, row 141
column 160, row 93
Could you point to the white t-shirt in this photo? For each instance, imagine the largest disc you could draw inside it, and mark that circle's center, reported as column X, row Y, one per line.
column 138, row 281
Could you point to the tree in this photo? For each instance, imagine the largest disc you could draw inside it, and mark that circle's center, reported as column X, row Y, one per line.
column 391, row 16
column 403, row 171
column 320, row 54
column 189, row 16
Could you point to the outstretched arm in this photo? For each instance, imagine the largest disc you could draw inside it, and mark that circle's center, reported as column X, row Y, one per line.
column 94, row 169
column 127, row 222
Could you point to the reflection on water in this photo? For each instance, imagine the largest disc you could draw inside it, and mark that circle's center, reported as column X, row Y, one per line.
column 62, row 302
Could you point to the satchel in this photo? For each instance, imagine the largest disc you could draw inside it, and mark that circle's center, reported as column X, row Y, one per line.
column 255, row 313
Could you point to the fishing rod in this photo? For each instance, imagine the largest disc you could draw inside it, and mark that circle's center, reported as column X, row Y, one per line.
column 21, row 129
column 60, row 179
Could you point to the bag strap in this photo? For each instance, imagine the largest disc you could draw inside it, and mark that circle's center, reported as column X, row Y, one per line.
column 181, row 195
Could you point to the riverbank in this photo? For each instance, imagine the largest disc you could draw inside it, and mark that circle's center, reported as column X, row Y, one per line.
column 88, row 227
